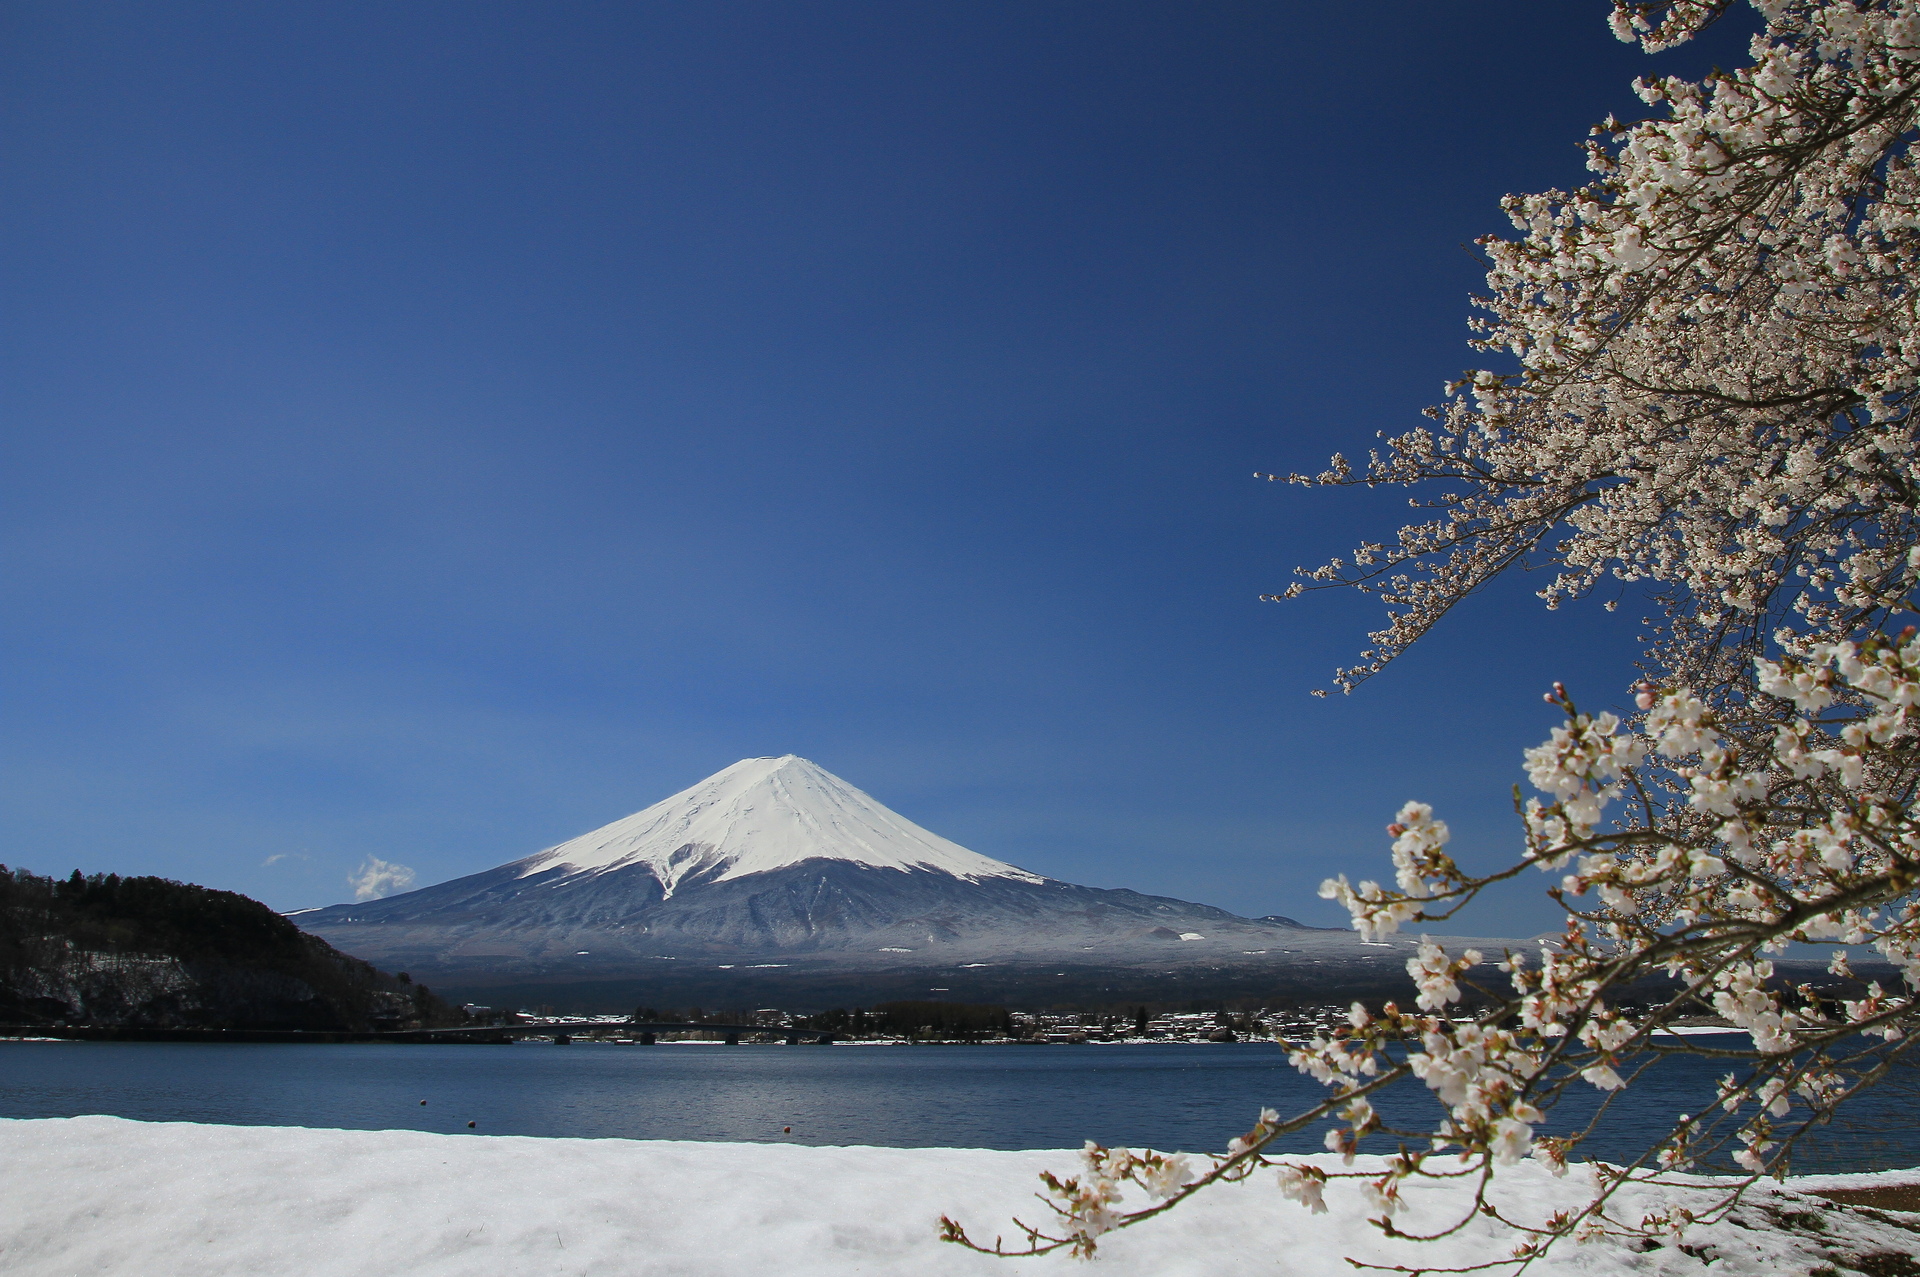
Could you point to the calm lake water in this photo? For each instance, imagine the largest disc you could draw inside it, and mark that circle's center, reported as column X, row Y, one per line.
column 1191, row 1097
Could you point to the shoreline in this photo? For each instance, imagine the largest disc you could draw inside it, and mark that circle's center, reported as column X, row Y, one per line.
column 277, row 1037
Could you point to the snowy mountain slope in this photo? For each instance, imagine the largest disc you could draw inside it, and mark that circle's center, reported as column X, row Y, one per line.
column 759, row 815
column 775, row 862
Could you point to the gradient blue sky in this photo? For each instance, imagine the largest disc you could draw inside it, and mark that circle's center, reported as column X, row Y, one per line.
column 433, row 430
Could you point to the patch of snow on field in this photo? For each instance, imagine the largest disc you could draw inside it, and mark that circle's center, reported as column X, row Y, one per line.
column 106, row 1196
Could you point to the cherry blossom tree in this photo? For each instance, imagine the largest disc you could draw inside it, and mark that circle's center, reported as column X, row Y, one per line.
column 1713, row 348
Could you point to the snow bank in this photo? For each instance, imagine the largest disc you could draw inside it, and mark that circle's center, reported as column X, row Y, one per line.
column 102, row 1195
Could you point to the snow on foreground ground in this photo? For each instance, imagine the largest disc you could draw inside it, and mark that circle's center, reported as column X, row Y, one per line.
column 102, row 1195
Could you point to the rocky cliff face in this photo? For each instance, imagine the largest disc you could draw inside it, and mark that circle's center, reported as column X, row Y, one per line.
column 149, row 953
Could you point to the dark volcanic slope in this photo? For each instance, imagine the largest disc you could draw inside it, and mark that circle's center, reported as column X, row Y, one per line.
column 499, row 922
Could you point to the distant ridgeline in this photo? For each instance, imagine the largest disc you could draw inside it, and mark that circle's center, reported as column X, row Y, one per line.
column 152, row 953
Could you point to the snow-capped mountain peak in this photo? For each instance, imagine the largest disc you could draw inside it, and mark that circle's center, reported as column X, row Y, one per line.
column 763, row 814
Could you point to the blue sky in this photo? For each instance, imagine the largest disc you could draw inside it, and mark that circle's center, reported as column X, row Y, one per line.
column 429, row 431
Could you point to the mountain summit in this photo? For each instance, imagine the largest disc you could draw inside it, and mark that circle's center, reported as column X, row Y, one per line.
column 758, row 816
column 775, row 865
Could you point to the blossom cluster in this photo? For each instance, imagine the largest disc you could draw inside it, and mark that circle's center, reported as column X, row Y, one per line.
column 1709, row 357
column 1087, row 1205
column 1707, row 366
column 1808, row 833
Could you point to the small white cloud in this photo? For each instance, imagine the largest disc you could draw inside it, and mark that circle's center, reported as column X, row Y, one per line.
column 284, row 855
column 376, row 878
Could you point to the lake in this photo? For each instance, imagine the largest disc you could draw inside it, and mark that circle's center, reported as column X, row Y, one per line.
column 1167, row 1096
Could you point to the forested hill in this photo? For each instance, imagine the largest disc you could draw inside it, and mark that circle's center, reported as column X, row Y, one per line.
column 153, row 953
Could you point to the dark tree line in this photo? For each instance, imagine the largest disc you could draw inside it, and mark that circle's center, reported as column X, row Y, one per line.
column 944, row 1021
column 151, row 952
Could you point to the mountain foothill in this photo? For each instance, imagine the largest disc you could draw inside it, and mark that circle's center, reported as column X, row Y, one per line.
column 149, row 954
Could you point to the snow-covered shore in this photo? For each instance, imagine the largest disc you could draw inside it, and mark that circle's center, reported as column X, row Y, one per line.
column 102, row 1195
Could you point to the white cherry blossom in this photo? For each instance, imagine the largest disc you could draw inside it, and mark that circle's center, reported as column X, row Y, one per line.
column 1707, row 367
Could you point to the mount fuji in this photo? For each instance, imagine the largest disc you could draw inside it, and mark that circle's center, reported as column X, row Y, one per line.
column 775, row 868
